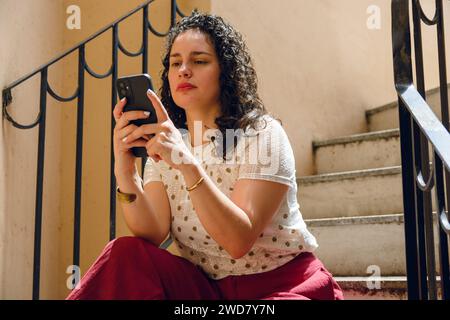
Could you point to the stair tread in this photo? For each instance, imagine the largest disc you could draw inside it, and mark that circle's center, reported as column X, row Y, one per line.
column 360, row 284
column 358, row 220
column 367, row 136
column 384, row 107
column 372, row 278
column 335, row 176
column 355, row 220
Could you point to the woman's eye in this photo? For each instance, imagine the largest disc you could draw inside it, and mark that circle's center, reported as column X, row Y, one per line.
column 175, row 64
column 200, row 62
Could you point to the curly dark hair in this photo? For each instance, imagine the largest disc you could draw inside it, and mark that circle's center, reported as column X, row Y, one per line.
column 241, row 106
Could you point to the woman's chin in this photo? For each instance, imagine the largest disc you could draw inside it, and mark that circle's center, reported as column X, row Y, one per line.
column 186, row 104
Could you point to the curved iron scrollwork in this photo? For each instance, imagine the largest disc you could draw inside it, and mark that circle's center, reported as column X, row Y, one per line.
column 95, row 74
column 175, row 9
column 58, row 97
column 157, row 33
column 418, row 123
column 443, row 220
column 173, row 15
column 79, row 95
column 131, row 54
column 421, row 182
column 22, row 126
column 424, row 17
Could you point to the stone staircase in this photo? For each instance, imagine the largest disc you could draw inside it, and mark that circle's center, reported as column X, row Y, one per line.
column 354, row 206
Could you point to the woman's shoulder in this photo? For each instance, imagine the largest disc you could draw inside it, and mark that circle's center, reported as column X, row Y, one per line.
column 267, row 129
column 265, row 124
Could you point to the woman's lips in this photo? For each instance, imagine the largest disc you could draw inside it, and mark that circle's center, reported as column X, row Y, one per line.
column 184, row 87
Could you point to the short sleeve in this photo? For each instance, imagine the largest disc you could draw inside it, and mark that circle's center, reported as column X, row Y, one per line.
column 151, row 171
column 268, row 156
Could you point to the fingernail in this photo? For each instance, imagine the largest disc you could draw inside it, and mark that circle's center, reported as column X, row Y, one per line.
column 124, row 139
column 146, row 113
column 149, row 91
column 123, row 99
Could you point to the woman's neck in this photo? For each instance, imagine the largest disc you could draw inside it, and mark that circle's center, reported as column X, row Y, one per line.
column 199, row 123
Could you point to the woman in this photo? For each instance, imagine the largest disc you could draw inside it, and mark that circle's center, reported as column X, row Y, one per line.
column 220, row 178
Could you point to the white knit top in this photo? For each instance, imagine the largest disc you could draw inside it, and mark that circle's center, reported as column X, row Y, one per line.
column 264, row 154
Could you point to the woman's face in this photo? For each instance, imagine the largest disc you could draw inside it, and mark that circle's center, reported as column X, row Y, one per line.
column 193, row 61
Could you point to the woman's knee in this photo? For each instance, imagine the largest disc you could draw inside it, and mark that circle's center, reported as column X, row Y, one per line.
column 129, row 245
column 124, row 244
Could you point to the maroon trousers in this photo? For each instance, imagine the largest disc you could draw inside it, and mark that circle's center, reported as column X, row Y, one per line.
column 133, row 268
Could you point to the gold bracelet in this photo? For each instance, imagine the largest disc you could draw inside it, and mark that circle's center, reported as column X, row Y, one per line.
column 125, row 197
column 195, row 184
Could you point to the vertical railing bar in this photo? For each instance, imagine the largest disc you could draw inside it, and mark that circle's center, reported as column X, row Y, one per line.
column 424, row 219
column 39, row 186
column 420, row 216
column 418, row 51
column 112, row 195
column 429, row 239
column 401, row 45
column 443, row 240
column 144, row 62
column 173, row 13
column 145, row 39
column 420, row 145
column 444, row 92
column 440, row 175
column 442, row 65
column 410, row 225
column 79, row 158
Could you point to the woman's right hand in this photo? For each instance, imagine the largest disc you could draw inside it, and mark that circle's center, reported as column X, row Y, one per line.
column 124, row 158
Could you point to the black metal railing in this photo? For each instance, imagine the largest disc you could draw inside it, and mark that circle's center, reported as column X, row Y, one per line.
column 419, row 129
column 79, row 95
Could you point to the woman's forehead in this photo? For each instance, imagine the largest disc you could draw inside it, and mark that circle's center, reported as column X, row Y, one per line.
column 192, row 41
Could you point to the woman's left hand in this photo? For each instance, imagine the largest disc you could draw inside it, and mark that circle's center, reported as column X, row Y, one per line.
column 167, row 143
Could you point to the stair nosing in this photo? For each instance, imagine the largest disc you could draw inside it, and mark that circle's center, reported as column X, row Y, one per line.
column 370, row 278
column 360, row 220
column 387, row 106
column 367, row 136
column 355, row 220
column 346, row 175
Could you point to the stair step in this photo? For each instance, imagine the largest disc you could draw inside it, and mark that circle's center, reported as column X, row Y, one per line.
column 383, row 118
column 359, row 246
column 364, row 288
column 357, row 152
column 386, row 116
column 354, row 193
column 349, row 246
column 378, row 288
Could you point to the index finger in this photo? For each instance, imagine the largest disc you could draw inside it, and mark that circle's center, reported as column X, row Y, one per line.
column 161, row 112
column 117, row 112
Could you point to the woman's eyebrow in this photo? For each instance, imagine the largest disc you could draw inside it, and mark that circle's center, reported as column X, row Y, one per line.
column 193, row 53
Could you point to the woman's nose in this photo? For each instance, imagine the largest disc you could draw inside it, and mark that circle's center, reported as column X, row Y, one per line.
column 184, row 71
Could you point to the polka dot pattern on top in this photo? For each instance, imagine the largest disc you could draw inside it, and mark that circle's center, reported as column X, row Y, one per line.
column 283, row 238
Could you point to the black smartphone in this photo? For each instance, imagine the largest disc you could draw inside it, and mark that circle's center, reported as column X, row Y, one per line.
column 134, row 88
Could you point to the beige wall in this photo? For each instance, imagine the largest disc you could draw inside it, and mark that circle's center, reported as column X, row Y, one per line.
column 29, row 39
column 318, row 64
